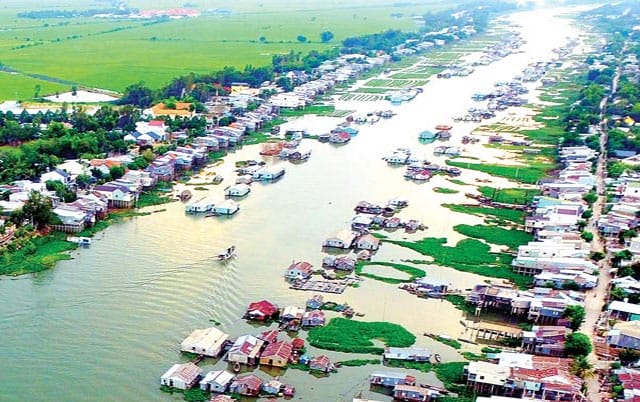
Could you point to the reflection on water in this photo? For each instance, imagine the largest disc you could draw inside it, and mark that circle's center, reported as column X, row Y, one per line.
column 107, row 324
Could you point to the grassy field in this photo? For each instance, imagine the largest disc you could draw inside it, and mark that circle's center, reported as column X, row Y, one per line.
column 524, row 174
column 18, row 86
column 519, row 196
column 122, row 52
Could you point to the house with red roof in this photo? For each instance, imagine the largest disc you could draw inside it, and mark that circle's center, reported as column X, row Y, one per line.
column 299, row 270
column 321, row 363
column 261, row 311
column 277, row 354
column 314, row 318
column 248, row 385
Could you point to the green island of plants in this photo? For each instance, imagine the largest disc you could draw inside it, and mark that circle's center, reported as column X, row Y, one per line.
column 468, row 255
column 414, row 272
column 444, row 190
column 344, row 335
column 511, row 215
column 518, row 196
column 525, row 174
column 511, row 238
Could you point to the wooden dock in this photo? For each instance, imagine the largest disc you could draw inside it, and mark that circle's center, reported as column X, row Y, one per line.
column 336, row 287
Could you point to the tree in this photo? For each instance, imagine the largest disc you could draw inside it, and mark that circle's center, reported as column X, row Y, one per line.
column 576, row 315
column 37, row 209
column 74, row 90
column 301, row 38
column 581, row 367
column 83, row 180
column 587, row 236
column 326, row 36
column 577, row 344
column 138, row 95
column 61, row 190
column 116, row 172
column 628, row 356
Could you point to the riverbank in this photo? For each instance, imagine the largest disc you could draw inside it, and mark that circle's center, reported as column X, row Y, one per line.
column 160, row 271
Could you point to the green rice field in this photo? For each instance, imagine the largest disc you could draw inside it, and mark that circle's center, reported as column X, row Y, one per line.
column 113, row 53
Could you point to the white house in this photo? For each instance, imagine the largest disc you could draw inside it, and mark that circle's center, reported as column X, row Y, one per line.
column 226, row 207
column 238, row 190
column 288, row 100
column 208, row 342
column 56, row 175
column 343, row 239
column 246, row 349
column 368, row 242
column 217, row 381
column 181, row 376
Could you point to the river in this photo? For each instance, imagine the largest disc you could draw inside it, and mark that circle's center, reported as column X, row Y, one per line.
column 107, row 324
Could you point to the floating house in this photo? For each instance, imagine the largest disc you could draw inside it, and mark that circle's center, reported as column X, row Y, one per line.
column 409, row 354
column 277, row 354
column 315, row 302
column 391, row 378
column 226, row 207
column 292, row 317
column 413, row 393
column 207, row 342
column 314, row 318
column 299, row 270
column 343, row 239
column 261, row 311
column 368, row 242
column 248, row 385
column 238, row 190
column 321, row 363
column 181, row 376
column 200, row 206
column 217, row 381
column 245, row 350
column 268, row 173
column 427, row 135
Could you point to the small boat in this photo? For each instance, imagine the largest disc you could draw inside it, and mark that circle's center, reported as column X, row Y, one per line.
column 185, row 195
column 81, row 241
column 236, row 367
column 230, row 252
column 437, row 358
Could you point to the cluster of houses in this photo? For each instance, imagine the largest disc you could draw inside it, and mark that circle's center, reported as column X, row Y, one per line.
column 266, row 349
column 541, row 305
column 523, row 376
column 559, row 257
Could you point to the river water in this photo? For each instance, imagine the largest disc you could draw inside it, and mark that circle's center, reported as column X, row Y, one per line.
column 107, row 324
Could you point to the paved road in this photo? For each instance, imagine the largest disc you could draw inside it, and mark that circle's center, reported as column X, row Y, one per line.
column 596, row 298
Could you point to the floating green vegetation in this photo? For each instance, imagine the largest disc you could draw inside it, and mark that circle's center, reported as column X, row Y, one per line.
column 153, row 197
column 525, row 174
column 444, row 190
column 414, row 272
column 474, row 357
column 468, row 255
column 518, row 196
column 512, row 215
column 451, row 374
column 458, row 182
column 344, row 335
column 511, row 238
column 460, row 303
column 448, row 341
column 35, row 255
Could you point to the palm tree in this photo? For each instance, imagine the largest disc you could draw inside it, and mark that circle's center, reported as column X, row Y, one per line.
column 582, row 368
